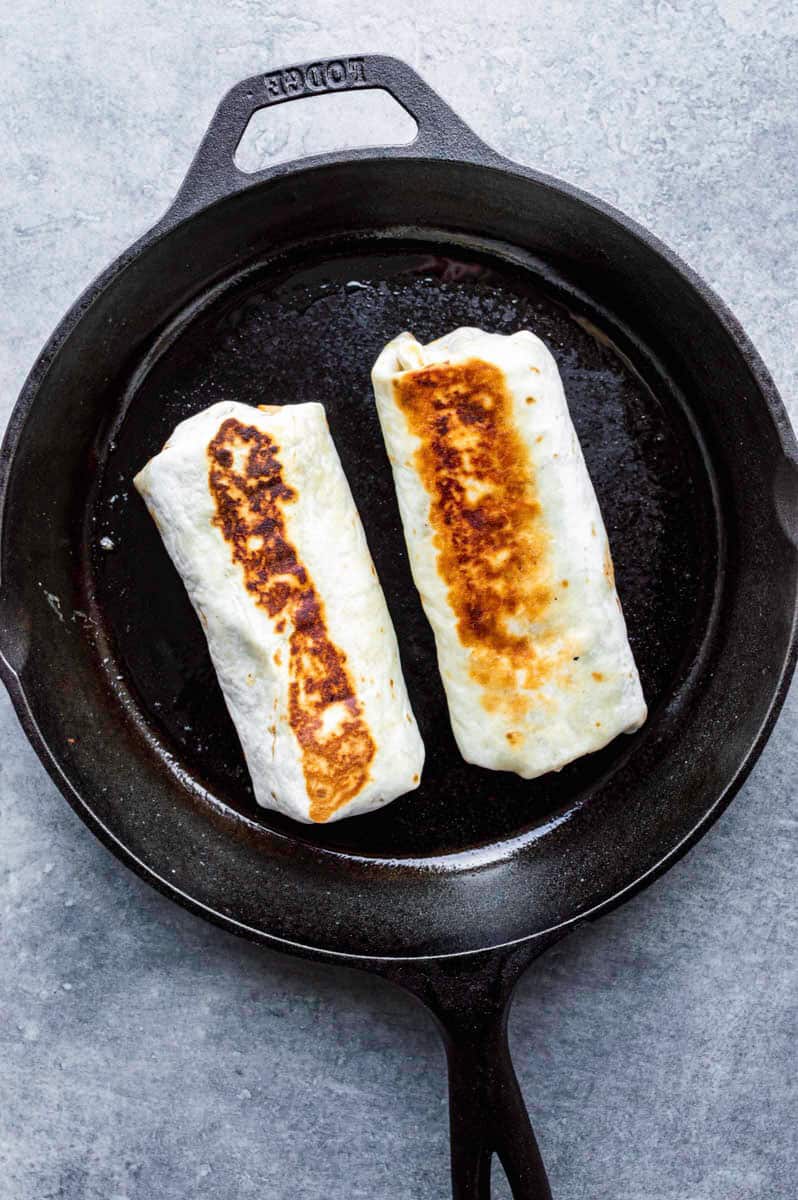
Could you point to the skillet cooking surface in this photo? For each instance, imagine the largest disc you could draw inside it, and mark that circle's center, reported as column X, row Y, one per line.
column 309, row 329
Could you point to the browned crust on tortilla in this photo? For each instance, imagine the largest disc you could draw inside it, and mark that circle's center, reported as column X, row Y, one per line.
column 249, row 513
column 609, row 569
column 488, row 528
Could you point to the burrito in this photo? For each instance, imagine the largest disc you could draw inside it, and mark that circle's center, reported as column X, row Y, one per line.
column 507, row 549
column 256, row 514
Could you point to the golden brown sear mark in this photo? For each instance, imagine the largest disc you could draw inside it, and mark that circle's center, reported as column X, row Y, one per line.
column 489, row 531
column 609, row 569
column 246, row 483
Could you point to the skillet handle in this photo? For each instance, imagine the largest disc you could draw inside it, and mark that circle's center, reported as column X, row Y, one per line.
column 214, row 175
column 470, row 997
column 487, row 1113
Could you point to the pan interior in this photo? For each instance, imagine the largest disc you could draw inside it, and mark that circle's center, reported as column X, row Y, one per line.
column 308, row 328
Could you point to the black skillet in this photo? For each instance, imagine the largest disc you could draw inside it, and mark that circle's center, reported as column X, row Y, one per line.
column 282, row 286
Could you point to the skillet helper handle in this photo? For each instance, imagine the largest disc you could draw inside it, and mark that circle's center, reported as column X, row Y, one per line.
column 213, row 173
column 470, row 997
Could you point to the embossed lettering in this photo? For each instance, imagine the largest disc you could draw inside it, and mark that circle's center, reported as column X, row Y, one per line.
column 314, row 78
column 293, row 81
column 274, row 84
column 336, row 73
column 357, row 70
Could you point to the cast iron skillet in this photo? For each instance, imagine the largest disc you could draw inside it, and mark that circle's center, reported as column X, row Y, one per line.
column 283, row 286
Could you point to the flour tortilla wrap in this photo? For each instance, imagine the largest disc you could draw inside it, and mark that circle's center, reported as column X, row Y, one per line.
column 257, row 516
column 507, row 548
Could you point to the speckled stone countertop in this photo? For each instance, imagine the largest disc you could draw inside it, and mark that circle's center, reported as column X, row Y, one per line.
column 145, row 1054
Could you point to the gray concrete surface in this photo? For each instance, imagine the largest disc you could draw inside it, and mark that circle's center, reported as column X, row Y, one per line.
column 144, row 1054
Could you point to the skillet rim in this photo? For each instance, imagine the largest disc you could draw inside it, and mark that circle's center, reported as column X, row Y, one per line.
column 181, row 213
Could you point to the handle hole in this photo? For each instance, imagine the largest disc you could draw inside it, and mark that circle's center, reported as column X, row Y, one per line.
column 320, row 124
column 499, row 1183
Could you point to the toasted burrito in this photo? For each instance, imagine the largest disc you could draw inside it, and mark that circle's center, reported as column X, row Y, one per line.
column 507, row 549
column 255, row 511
